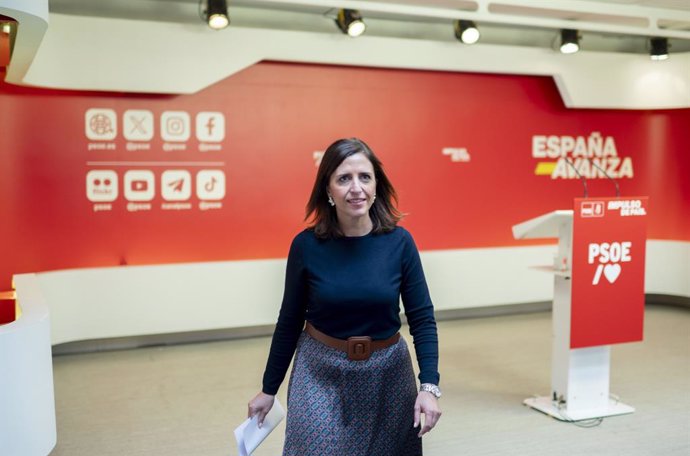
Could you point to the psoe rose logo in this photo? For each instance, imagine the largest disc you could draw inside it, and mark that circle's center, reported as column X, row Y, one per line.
column 609, row 256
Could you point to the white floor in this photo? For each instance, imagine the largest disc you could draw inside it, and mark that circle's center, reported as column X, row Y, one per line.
column 186, row 399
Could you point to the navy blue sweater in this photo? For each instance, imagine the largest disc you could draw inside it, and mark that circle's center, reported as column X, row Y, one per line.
column 351, row 286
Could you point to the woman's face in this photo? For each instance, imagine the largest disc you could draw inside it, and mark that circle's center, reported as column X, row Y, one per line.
column 353, row 187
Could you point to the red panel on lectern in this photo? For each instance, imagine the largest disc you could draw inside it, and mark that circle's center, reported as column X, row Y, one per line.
column 609, row 237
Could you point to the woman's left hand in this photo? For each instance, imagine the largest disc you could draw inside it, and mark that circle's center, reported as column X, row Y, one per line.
column 426, row 404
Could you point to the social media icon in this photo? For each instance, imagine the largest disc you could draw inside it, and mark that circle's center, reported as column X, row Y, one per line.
column 137, row 125
column 101, row 124
column 210, row 185
column 139, row 185
column 210, row 126
column 101, row 186
column 175, row 126
column 592, row 209
column 176, row 185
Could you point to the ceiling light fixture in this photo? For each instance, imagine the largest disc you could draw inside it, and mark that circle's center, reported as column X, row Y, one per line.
column 658, row 48
column 466, row 31
column 217, row 14
column 350, row 22
column 570, row 41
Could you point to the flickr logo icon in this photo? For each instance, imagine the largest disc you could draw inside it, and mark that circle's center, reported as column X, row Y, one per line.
column 101, row 186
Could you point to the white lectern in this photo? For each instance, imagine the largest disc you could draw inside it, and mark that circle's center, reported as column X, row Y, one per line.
column 579, row 377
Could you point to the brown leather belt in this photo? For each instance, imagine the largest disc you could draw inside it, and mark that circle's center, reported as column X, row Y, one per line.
column 358, row 348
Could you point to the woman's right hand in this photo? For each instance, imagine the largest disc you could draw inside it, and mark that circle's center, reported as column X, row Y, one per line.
column 260, row 406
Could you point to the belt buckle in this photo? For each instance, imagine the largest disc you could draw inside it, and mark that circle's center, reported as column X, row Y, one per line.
column 359, row 348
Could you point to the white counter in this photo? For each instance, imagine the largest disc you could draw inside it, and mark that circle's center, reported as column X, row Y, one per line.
column 27, row 403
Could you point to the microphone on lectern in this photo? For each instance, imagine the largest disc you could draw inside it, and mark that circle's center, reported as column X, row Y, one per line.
column 618, row 190
column 584, row 181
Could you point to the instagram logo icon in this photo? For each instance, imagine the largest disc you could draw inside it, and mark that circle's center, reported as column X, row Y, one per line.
column 175, row 126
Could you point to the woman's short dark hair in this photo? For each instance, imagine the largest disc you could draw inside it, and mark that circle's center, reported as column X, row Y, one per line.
column 322, row 216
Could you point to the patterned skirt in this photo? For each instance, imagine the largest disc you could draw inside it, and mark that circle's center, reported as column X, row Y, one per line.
column 340, row 407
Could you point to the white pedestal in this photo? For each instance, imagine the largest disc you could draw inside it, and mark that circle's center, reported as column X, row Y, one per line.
column 547, row 405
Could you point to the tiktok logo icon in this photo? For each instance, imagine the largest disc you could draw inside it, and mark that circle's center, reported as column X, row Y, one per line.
column 210, row 185
column 210, row 126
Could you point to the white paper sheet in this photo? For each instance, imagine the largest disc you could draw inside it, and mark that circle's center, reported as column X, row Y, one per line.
column 248, row 434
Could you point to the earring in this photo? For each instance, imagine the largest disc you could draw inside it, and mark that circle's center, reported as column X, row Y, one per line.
column 330, row 200
column 373, row 198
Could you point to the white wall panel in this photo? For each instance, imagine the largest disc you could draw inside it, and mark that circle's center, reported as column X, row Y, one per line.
column 143, row 300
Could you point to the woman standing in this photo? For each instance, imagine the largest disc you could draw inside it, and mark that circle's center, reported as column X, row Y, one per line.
column 352, row 390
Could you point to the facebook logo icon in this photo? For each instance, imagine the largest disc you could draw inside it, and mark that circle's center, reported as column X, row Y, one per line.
column 210, row 126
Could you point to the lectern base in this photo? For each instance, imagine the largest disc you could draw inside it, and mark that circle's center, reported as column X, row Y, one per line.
column 545, row 404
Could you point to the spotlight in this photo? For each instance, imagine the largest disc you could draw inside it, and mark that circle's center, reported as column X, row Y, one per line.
column 6, row 28
column 570, row 41
column 466, row 31
column 217, row 14
column 350, row 22
column 658, row 48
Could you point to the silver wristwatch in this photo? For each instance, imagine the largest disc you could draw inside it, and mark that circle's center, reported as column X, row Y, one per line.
column 431, row 388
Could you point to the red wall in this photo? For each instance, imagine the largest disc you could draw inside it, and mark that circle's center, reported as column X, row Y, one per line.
column 276, row 116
